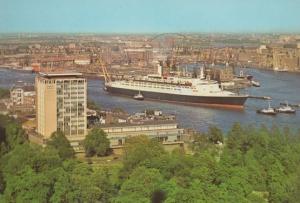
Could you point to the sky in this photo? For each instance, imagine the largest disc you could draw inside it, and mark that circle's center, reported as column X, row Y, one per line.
column 149, row 16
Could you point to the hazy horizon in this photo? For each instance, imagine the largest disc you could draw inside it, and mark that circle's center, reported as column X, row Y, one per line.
column 133, row 16
column 148, row 33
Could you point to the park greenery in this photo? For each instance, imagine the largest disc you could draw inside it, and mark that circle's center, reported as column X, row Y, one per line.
column 96, row 143
column 4, row 93
column 253, row 165
column 59, row 142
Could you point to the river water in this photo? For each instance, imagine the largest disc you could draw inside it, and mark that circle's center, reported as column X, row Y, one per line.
column 280, row 86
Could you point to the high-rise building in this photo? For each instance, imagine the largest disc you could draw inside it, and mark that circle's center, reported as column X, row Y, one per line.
column 61, row 105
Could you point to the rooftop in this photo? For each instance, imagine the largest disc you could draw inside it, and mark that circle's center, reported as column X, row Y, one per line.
column 25, row 86
column 60, row 74
column 141, row 123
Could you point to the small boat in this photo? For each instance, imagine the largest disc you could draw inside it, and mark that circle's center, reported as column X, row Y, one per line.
column 292, row 105
column 267, row 97
column 138, row 96
column 255, row 83
column 268, row 111
column 277, row 69
column 286, row 109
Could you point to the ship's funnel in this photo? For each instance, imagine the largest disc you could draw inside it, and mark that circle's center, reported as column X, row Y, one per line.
column 202, row 76
column 159, row 70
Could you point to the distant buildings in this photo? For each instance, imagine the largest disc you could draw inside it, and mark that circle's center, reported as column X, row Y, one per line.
column 221, row 74
column 286, row 58
column 22, row 98
column 61, row 105
column 82, row 62
column 141, row 56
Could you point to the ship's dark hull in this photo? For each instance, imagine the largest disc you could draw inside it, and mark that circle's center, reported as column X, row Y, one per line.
column 231, row 101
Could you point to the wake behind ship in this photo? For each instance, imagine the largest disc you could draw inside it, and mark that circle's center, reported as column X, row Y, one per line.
column 192, row 91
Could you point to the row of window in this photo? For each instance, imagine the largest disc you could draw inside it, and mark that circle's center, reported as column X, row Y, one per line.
column 69, row 132
column 64, row 92
column 157, row 86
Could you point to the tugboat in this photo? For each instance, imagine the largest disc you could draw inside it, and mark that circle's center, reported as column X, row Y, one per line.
column 268, row 111
column 292, row 105
column 286, row 109
column 138, row 96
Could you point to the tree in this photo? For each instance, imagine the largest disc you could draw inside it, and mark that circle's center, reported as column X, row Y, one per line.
column 80, row 185
column 140, row 151
column 96, row 143
column 11, row 134
column 29, row 173
column 59, row 142
column 143, row 185
column 15, row 135
column 28, row 186
column 215, row 135
column 4, row 93
column 254, row 165
column 80, row 182
column 2, row 183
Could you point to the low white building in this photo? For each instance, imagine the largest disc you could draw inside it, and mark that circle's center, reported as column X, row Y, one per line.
column 82, row 61
column 165, row 131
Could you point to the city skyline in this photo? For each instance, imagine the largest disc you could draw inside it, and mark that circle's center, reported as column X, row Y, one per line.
column 150, row 17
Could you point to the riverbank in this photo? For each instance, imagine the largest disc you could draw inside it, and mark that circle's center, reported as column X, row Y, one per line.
column 280, row 87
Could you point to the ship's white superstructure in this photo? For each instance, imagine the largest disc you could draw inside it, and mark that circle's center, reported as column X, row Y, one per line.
column 178, row 89
column 173, row 85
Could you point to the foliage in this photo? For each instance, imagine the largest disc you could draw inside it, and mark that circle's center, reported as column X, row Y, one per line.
column 215, row 135
column 96, row 143
column 140, row 150
column 4, row 93
column 36, row 174
column 11, row 134
column 254, row 165
column 59, row 142
column 141, row 185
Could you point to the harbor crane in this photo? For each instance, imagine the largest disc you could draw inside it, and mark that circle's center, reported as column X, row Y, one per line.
column 107, row 77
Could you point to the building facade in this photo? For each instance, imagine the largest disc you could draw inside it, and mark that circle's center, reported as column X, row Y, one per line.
column 61, row 105
column 22, row 98
column 221, row 74
column 166, row 132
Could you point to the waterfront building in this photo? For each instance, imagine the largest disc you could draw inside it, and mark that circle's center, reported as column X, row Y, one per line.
column 22, row 98
column 221, row 74
column 61, row 105
column 166, row 131
column 142, row 56
column 286, row 58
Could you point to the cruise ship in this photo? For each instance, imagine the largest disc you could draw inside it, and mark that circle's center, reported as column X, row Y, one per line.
column 185, row 90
